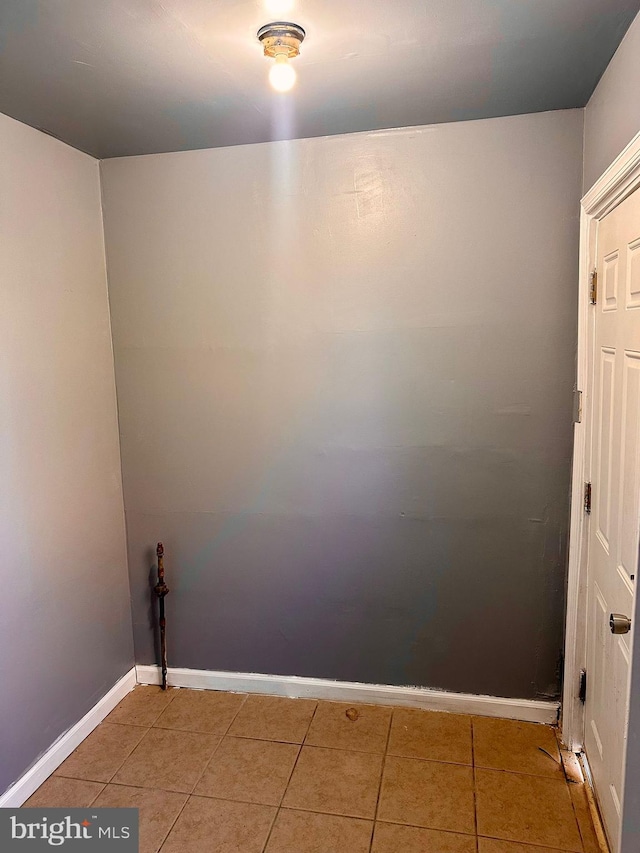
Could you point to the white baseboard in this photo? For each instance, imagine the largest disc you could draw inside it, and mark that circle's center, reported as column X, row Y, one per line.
column 21, row 790
column 344, row 691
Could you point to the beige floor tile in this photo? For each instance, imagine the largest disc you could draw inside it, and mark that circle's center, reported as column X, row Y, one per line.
column 335, row 781
column 527, row 809
column 390, row 838
column 427, row 793
column 102, row 753
column 585, row 821
column 170, row 760
column 142, row 706
column 251, row 771
column 431, row 734
column 338, row 725
column 220, row 826
column 274, row 718
column 201, row 711
column 517, row 747
column 492, row 845
column 306, row 832
column 158, row 811
column 57, row 792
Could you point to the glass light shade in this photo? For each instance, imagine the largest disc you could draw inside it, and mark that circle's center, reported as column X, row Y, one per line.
column 282, row 75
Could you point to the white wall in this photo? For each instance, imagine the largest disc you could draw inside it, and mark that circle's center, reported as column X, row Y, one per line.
column 345, row 370
column 612, row 116
column 65, row 629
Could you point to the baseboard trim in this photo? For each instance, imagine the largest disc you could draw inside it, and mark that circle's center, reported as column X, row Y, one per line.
column 594, row 809
column 532, row 711
column 30, row 781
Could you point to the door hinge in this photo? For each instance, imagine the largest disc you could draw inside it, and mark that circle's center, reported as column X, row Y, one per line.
column 587, row 498
column 582, row 691
column 577, row 406
column 593, row 287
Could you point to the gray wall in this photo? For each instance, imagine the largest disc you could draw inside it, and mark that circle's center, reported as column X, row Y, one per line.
column 65, row 631
column 612, row 116
column 345, row 370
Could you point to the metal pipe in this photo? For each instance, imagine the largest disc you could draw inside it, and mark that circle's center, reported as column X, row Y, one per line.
column 161, row 590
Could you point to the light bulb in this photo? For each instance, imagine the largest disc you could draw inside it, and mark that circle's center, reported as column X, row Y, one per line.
column 279, row 7
column 282, row 75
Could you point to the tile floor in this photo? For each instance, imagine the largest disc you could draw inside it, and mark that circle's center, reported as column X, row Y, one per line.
column 229, row 773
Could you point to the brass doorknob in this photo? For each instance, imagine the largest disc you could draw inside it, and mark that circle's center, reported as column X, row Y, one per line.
column 619, row 624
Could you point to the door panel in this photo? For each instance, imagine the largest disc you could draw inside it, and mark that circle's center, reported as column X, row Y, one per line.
column 614, row 529
column 633, row 275
column 630, row 468
column 605, row 450
column 611, row 282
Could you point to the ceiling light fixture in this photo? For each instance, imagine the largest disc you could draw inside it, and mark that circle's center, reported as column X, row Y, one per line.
column 281, row 41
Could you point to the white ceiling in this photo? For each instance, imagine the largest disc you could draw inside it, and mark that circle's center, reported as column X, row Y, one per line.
column 117, row 77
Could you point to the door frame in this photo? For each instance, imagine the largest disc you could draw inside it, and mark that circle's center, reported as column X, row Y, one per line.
column 617, row 183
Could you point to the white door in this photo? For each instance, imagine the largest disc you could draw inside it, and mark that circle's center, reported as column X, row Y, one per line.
column 615, row 504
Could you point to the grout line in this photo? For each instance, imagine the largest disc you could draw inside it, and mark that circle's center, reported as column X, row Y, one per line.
column 219, row 799
column 577, row 820
column 265, row 740
column 295, row 764
column 170, row 830
column 217, row 747
column 473, row 776
column 313, row 716
column 306, row 734
column 221, row 734
column 373, row 829
column 273, row 823
column 172, row 690
column 57, row 773
column 207, row 763
column 97, row 795
column 526, row 844
column 315, row 745
column 574, row 810
column 290, row 774
column 556, row 777
column 72, row 779
column 145, row 788
column 454, row 832
column 240, row 707
column 130, row 754
column 384, row 762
